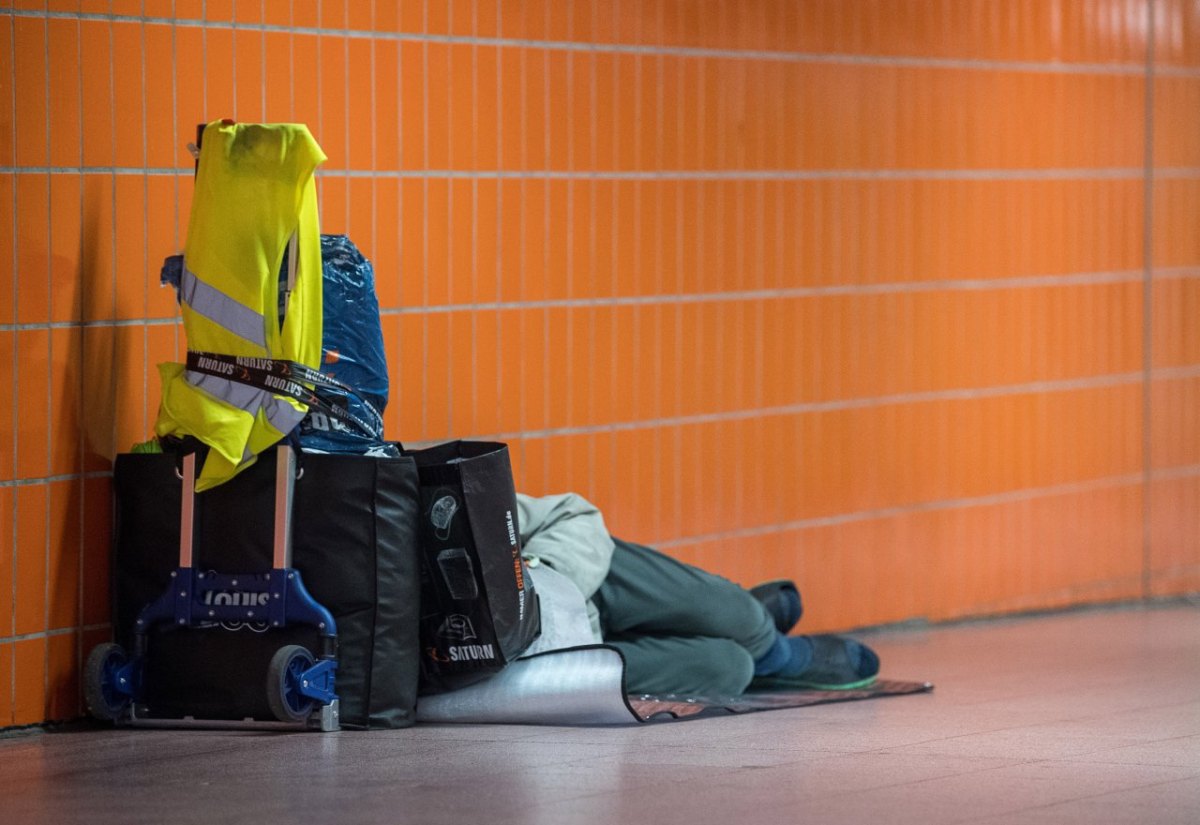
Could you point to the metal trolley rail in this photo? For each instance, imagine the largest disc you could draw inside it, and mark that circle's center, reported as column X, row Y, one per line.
column 299, row 683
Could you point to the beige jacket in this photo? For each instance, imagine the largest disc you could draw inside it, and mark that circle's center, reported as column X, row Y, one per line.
column 567, row 533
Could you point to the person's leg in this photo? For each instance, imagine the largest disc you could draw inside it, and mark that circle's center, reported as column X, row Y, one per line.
column 647, row 593
column 690, row 666
column 651, row 594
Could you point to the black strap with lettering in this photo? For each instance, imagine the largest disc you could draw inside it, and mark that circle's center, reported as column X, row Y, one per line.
column 287, row 378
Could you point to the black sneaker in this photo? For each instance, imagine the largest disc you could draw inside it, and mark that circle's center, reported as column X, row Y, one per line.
column 838, row 663
column 781, row 598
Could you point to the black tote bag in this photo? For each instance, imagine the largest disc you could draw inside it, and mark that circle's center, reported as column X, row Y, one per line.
column 479, row 610
column 354, row 542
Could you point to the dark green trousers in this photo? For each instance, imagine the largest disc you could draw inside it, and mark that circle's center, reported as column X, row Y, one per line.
column 682, row 630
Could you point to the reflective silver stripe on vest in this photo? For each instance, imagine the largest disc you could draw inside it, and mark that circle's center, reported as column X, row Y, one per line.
column 279, row 414
column 205, row 299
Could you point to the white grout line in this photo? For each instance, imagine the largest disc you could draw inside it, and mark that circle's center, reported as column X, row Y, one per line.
column 891, row 288
column 993, row 499
column 990, row 174
column 900, row 61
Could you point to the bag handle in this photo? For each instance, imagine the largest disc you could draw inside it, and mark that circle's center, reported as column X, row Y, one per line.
column 287, row 378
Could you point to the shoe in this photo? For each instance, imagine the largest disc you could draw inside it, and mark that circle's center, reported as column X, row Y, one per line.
column 781, row 598
column 838, row 663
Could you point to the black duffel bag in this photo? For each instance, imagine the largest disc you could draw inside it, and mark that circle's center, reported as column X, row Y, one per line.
column 479, row 610
column 354, row 543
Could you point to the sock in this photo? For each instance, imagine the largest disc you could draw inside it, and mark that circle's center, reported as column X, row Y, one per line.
column 775, row 658
column 801, row 659
column 788, row 656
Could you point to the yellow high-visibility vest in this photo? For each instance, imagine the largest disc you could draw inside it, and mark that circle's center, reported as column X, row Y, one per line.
column 254, row 192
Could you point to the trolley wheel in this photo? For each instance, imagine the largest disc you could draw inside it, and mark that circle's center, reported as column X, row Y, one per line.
column 283, row 683
column 105, row 698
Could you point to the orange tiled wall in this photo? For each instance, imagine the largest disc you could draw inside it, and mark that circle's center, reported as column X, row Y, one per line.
column 896, row 298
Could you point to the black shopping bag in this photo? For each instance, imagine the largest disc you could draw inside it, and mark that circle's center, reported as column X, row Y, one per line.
column 354, row 542
column 479, row 610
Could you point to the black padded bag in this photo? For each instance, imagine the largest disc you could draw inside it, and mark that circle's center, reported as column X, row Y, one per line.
column 354, row 543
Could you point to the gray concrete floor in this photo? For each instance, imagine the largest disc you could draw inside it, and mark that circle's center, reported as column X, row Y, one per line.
column 1084, row 717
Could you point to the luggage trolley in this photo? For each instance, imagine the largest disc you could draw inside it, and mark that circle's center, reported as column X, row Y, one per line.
column 299, row 685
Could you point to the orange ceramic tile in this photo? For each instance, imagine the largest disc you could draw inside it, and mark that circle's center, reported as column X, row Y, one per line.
column 132, row 376
column 305, row 80
column 164, row 342
column 333, row 195
column 536, row 381
column 459, row 340
column 438, row 103
column 7, row 412
column 627, row 238
column 406, row 365
column 559, row 110
column 605, row 112
column 63, row 121
column 580, row 119
column 460, row 92
column 1174, row 432
column 529, row 458
column 29, row 681
column 193, row 9
column 219, row 10
column 437, row 242
column 360, row 212
column 32, row 264
column 29, row 79
column 561, row 376
column 606, row 403
column 1175, row 556
column 461, row 265
column 96, row 76
column 390, row 327
column 159, row 99
column 161, row 200
column 386, row 104
column 63, row 672
column 660, row 252
column 412, row 105
column 7, row 595
column 435, row 380
column 249, row 61
column 6, row 682
column 1174, row 205
column 97, row 506
column 29, row 559
column 486, row 390
column 127, row 96
column 510, row 357
column 189, row 80
column 558, row 273
column 65, row 404
column 129, row 241
column 486, row 239
column 219, row 87
column 485, row 128
column 413, row 273
column 603, row 240
column 64, row 540
column 32, row 389
column 626, row 141
column 1175, row 301
column 331, row 131
column 532, row 273
column 535, row 126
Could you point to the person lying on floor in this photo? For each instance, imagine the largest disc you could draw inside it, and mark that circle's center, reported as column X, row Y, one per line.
column 681, row 629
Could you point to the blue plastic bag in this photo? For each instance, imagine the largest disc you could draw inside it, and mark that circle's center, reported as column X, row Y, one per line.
column 353, row 352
